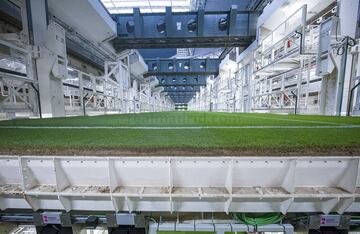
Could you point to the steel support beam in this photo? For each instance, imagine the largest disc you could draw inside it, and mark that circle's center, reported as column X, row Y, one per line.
column 158, row 67
column 179, row 86
column 182, row 85
column 181, row 93
column 177, row 89
column 185, row 29
column 181, row 99
column 258, row 4
column 182, row 80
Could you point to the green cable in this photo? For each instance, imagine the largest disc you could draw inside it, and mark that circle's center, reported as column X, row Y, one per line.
column 258, row 219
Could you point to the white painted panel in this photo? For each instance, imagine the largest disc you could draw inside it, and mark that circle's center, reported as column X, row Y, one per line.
column 86, row 17
column 320, row 172
column 141, row 172
column 91, row 171
column 259, row 172
column 10, row 171
column 41, row 170
column 199, row 172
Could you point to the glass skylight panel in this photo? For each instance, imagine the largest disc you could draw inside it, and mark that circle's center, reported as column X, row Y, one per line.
column 146, row 6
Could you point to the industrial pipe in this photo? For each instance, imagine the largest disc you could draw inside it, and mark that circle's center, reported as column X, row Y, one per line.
column 38, row 99
column 83, row 100
column 350, row 98
column 296, row 101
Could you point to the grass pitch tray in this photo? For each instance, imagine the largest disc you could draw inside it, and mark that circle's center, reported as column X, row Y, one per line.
column 183, row 133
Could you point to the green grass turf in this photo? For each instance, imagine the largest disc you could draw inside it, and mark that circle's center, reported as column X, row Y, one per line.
column 168, row 139
column 187, row 119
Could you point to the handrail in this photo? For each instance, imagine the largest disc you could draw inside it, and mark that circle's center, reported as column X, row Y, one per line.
column 303, row 22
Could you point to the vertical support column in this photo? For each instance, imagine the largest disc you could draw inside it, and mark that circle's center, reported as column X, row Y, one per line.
column 269, row 90
column 356, row 98
column 299, row 84
column 207, row 64
column 200, row 22
column 138, row 21
column 106, row 95
column 81, row 93
column 307, row 82
column 250, row 88
column 238, row 92
column 329, row 73
column 348, row 14
column 244, row 86
column 49, row 58
column 232, row 19
column 327, row 97
column 128, row 77
column 29, row 62
column 191, row 63
column 169, row 23
column 118, row 75
column 282, row 87
column 93, row 86
column 303, row 18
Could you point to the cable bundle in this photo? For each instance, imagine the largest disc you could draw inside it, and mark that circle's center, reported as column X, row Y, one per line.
column 258, row 219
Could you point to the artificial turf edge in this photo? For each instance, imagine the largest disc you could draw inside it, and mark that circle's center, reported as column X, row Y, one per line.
column 188, row 152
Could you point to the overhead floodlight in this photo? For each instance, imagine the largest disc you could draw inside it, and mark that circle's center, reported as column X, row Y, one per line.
column 186, row 66
column 154, row 66
column 222, row 24
column 130, row 26
column 161, row 27
column 192, row 25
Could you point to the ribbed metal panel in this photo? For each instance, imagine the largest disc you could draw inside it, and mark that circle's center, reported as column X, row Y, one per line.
column 181, row 184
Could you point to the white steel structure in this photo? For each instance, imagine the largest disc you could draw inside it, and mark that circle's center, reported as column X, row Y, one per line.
column 226, row 184
column 36, row 79
column 13, row 98
column 117, row 91
column 285, row 68
column 300, row 63
column 122, row 89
